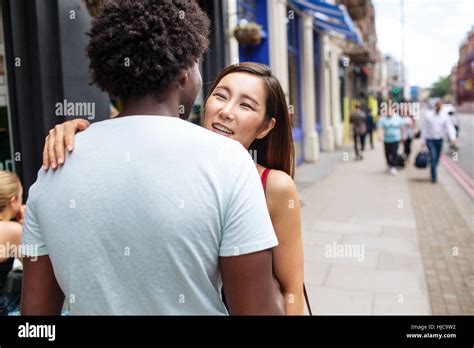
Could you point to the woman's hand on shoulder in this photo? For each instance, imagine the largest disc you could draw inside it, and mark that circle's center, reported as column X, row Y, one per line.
column 59, row 138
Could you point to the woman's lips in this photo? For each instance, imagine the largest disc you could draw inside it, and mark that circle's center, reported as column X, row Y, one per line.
column 221, row 133
column 222, row 130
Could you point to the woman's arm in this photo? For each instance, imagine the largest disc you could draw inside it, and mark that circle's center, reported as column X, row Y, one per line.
column 288, row 259
column 402, row 131
column 11, row 236
column 60, row 137
column 380, row 134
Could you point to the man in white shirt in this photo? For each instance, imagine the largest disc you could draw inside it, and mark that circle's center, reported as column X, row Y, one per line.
column 148, row 217
column 435, row 126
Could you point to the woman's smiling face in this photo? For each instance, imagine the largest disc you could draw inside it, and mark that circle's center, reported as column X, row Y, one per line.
column 236, row 108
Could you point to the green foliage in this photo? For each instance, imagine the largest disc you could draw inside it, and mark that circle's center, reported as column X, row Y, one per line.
column 441, row 88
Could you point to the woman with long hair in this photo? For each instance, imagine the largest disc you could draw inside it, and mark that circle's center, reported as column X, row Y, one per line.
column 247, row 104
column 11, row 220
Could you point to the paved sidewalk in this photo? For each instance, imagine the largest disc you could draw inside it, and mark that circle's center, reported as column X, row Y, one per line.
column 362, row 251
column 445, row 224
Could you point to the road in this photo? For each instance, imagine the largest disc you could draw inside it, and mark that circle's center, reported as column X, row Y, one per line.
column 465, row 158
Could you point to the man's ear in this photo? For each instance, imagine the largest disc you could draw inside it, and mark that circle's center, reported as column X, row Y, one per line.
column 183, row 79
column 267, row 129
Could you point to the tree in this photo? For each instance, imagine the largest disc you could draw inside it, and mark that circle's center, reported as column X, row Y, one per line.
column 441, row 87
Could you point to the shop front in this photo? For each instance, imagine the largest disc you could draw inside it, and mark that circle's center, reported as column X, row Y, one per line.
column 45, row 65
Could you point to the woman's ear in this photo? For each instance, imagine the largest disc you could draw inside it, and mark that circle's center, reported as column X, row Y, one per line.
column 267, row 129
column 13, row 201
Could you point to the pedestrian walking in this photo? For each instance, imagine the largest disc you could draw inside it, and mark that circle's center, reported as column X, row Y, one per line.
column 359, row 129
column 370, row 124
column 390, row 131
column 435, row 126
column 408, row 135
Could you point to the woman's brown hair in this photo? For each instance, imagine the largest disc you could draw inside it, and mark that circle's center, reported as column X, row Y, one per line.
column 276, row 150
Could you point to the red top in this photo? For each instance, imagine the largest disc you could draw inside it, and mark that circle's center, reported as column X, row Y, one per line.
column 264, row 179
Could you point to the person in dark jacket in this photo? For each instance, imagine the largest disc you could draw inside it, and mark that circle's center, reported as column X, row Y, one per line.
column 369, row 120
column 359, row 129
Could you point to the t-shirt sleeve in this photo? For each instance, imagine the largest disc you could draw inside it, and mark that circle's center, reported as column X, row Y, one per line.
column 247, row 225
column 32, row 241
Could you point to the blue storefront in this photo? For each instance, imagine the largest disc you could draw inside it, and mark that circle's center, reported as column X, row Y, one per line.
column 257, row 11
column 328, row 18
column 334, row 20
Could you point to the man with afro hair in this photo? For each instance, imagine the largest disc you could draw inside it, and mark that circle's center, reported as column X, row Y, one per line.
column 149, row 217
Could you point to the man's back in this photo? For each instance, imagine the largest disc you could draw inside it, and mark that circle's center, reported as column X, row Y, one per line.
column 136, row 220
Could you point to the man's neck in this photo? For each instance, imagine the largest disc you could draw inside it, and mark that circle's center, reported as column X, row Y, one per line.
column 149, row 105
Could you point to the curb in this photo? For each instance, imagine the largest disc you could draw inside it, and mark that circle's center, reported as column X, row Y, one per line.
column 459, row 175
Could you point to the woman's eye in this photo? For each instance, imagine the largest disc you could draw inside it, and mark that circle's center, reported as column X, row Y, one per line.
column 247, row 106
column 219, row 96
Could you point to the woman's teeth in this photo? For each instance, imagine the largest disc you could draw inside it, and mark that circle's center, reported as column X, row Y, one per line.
column 223, row 129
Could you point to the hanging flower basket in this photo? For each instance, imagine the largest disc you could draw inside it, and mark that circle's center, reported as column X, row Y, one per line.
column 94, row 7
column 248, row 34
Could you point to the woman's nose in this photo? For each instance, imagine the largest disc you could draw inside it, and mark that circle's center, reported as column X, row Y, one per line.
column 227, row 112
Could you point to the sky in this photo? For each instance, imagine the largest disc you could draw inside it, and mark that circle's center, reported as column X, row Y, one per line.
column 434, row 31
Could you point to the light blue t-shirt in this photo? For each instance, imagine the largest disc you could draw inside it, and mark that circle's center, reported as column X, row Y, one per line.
column 391, row 128
column 136, row 220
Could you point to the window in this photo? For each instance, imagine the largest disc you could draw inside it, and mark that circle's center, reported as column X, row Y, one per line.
column 246, row 10
column 294, row 74
column 6, row 162
column 317, row 78
column 294, row 69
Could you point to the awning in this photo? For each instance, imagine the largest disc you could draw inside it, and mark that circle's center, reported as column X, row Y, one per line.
column 330, row 18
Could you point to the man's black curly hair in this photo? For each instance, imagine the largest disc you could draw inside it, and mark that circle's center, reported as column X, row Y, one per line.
column 139, row 47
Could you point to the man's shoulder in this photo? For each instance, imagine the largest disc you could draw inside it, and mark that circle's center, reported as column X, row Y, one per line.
column 446, row 117
column 225, row 146
column 163, row 125
column 192, row 136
